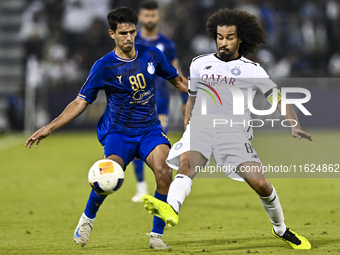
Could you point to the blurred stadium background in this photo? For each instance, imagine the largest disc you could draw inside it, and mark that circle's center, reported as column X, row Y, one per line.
column 47, row 48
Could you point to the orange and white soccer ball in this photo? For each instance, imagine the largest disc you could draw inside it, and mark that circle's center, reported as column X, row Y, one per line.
column 106, row 176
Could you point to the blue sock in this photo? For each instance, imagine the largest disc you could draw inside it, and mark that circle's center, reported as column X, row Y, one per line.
column 139, row 169
column 158, row 224
column 93, row 204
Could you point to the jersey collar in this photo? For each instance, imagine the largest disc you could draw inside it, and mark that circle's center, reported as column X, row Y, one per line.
column 126, row 59
column 228, row 60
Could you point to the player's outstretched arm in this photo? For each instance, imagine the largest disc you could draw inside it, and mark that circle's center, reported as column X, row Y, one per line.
column 74, row 109
column 188, row 109
column 180, row 83
column 297, row 131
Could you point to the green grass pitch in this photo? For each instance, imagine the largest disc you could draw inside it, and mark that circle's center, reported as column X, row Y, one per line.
column 44, row 191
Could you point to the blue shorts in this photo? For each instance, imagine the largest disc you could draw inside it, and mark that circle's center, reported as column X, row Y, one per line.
column 130, row 146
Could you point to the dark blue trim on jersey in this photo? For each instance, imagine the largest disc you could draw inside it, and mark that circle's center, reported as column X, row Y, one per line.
column 200, row 56
column 248, row 62
column 268, row 93
column 192, row 93
column 116, row 66
column 118, row 115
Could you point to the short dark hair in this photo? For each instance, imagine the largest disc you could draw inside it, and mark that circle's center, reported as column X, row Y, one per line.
column 121, row 15
column 247, row 26
column 149, row 5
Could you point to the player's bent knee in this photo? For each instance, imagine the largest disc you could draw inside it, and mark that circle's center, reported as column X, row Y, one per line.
column 117, row 159
column 163, row 174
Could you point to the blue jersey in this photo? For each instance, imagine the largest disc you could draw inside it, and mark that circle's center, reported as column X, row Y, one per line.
column 168, row 48
column 130, row 90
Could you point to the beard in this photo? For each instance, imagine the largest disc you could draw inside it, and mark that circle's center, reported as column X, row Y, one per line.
column 150, row 26
column 225, row 55
column 126, row 48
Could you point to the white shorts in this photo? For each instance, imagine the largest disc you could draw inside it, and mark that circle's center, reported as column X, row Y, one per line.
column 228, row 148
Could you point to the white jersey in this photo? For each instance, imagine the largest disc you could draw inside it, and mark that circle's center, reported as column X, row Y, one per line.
column 221, row 89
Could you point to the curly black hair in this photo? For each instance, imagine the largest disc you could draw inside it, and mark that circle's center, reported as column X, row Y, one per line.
column 247, row 26
column 121, row 15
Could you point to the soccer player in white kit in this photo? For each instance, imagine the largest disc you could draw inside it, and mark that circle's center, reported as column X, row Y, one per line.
column 216, row 80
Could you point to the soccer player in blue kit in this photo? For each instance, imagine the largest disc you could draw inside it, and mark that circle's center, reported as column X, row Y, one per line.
column 129, row 126
column 148, row 35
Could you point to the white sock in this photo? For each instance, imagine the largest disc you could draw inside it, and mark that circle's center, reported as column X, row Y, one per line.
column 179, row 189
column 274, row 210
column 87, row 218
column 142, row 187
column 154, row 233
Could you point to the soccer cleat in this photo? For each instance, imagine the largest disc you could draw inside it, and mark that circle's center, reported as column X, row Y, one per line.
column 82, row 231
column 160, row 209
column 156, row 241
column 294, row 240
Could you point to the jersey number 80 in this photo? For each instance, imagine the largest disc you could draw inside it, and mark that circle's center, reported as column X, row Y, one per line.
column 137, row 82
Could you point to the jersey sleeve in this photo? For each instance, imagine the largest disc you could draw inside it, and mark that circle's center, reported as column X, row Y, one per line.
column 265, row 84
column 193, row 79
column 93, row 83
column 164, row 68
column 262, row 80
